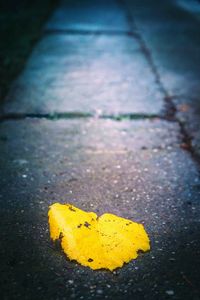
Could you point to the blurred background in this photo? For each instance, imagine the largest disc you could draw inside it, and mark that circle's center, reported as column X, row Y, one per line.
column 21, row 22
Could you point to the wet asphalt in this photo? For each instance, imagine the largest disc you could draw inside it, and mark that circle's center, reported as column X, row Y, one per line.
column 105, row 116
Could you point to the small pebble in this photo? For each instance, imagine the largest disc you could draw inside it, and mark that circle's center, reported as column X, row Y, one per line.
column 70, row 281
column 170, row 292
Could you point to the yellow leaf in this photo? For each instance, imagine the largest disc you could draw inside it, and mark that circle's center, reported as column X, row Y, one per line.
column 105, row 242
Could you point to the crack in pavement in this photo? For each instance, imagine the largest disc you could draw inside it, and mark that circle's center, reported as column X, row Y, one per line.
column 78, row 115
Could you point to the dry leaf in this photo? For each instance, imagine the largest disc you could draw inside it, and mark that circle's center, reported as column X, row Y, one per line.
column 105, row 242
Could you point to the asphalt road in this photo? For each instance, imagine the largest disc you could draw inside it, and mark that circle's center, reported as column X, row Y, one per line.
column 105, row 116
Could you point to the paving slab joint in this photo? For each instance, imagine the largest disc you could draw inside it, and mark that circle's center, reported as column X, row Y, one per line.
column 78, row 115
column 87, row 32
column 144, row 48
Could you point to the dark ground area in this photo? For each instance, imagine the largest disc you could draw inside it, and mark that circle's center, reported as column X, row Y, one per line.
column 21, row 24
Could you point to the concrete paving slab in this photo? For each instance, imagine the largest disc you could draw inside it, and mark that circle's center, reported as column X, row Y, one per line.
column 68, row 73
column 172, row 35
column 86, row 15
column 134, row 169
